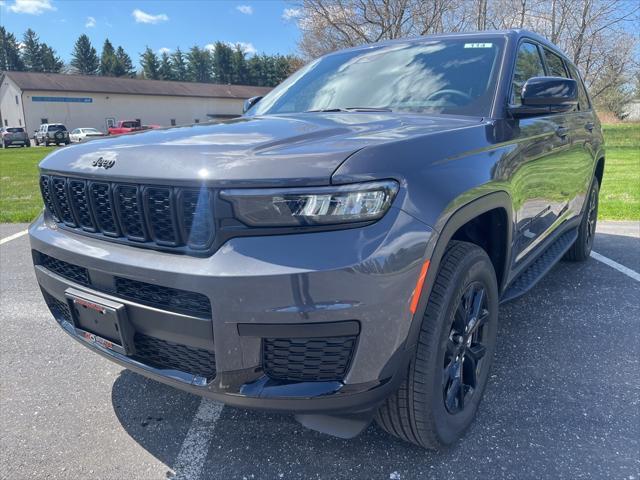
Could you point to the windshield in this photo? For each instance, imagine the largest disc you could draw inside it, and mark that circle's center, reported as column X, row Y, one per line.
column 453, row 76
column 55, row 128
column 15, row 130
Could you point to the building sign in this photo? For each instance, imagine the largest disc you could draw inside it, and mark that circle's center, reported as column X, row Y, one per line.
column 63, row 99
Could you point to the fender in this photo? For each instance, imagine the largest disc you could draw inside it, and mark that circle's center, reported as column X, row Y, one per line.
column 437, row 245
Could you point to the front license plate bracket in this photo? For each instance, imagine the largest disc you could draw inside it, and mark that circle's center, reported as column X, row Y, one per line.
column 101, row 321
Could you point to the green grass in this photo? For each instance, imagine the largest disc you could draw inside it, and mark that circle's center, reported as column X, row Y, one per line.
column 620, row 192
column 20, row 199
column 619, row 197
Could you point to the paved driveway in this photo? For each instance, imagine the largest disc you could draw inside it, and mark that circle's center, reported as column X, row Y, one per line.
column 563, row 400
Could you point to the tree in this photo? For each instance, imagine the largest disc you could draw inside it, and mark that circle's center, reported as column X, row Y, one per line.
column 150, row 64
column 165, row 71
column 124, row 65
column 9, row 52
column 84, row 58
column 108, row 60
column 179, row 65
column 51, row 63
column 31, row 52
column 222, row 69
column 239, row 69
column 597, row 35
column 199, row 64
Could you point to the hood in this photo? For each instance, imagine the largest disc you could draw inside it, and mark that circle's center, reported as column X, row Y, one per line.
column 301, row 149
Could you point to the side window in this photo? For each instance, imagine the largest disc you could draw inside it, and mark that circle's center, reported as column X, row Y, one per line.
column 583, row 99
column 528, row 64
column 555, row 64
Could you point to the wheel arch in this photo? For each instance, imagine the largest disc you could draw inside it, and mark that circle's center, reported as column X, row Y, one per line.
column 496, row 206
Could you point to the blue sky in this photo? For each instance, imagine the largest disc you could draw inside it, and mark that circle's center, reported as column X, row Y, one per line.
column 261, row 25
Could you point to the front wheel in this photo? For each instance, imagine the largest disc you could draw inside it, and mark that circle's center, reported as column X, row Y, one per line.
column 447, row 376
column 581, row 248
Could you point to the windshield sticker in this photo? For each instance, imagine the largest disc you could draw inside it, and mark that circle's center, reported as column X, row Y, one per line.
column 478, row 45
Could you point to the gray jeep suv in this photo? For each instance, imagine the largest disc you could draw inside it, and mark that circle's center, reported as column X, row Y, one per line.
column 340, row 251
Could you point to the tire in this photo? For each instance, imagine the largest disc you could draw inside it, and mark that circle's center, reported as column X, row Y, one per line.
column 581, row 248
column 417, row 412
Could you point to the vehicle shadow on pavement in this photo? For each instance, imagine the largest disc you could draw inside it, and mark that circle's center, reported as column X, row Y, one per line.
column 544, row 414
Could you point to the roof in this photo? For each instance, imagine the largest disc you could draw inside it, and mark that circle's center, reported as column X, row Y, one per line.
column 56, row 82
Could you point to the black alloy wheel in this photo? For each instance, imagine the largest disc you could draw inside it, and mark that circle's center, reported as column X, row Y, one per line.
column 463, row 356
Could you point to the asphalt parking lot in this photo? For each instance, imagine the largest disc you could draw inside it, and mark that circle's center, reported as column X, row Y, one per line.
column 563, row 400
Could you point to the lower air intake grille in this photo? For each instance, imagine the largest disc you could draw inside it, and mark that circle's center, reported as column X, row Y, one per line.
column 307, row 359
column 174, row 356
column 165, row 298
column 67, row 270
column 59, row 309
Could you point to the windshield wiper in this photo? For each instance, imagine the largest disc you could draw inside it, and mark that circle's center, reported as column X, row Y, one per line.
column 350, row 109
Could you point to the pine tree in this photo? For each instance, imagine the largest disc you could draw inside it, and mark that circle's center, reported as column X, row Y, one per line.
column 31, row 52
column 199, row 64
column 239, row 68
column 222, row 69
column 165, row 70
column 108, row 60
column 150, row 64
column 51, row 63
column 179, row 65
column 124, row 65
column 84, row 57
column 9, row 52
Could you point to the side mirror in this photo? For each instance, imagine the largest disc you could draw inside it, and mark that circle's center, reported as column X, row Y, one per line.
column 545, row 95
column 250, row 102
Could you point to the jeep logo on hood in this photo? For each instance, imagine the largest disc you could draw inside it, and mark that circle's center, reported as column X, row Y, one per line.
column 101, row 162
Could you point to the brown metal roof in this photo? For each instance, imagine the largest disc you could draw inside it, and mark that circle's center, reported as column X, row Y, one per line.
column 56, row 82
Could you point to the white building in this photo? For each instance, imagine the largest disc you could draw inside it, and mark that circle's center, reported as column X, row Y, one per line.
column 29, row 99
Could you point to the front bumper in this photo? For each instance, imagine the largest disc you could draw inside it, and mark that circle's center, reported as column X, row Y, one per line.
column 326, row 284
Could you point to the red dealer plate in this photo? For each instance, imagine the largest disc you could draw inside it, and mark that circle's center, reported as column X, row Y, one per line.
column 99, row 320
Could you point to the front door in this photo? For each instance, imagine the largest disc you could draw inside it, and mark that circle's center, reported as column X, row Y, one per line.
column 545, row 163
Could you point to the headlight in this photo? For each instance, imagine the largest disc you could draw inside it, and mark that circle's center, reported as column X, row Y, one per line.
column 290, row 207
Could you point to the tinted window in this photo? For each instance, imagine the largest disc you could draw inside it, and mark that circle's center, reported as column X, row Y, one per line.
column 454, row 76
column 15, row 130
column 555, row 64
column 55, row 128
column 583, row 99
column 528, row 65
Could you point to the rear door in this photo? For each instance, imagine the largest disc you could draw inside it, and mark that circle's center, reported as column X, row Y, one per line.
column 582, row 125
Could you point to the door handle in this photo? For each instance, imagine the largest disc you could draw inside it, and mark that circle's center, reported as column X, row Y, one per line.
column 589, row 126
column 562, row 131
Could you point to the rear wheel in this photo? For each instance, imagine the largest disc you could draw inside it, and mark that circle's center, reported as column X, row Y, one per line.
column 446, row 379
column 581, row 249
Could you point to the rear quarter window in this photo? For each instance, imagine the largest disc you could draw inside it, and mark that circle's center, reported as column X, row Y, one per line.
column 583, row 98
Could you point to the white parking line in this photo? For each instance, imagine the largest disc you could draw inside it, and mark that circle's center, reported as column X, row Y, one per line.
column 194, row 450
column 621, row 268
column 13, row 237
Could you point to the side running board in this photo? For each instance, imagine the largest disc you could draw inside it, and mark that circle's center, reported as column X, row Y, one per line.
column 527, row 279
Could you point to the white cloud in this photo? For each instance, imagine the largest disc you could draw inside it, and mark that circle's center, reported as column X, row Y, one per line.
column 289, row 14
column 144, row 17
column 246, row 9
column 31, row 7
column 164, row 50
column 247, row 47
column 91, row 22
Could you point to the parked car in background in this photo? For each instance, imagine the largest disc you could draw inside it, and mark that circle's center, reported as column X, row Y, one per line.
column 340, row 251
column 78, row 135
column 15, row 136
column 129, row 126
column 52, row 133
